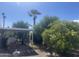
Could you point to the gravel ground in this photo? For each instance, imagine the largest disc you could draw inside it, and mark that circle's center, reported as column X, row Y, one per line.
column 25, row 51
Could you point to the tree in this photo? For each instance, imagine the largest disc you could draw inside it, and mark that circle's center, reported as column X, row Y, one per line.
column 34, row 13
column 3, row 14
column 41, row 26
column 60, row 39
column 20, row 24
column 21, row 35
column 72, row 25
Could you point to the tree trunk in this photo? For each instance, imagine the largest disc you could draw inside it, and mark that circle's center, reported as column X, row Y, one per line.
column 34, row 19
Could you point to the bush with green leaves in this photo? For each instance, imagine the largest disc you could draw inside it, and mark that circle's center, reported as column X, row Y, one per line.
column 41, row 26
column 59, row 38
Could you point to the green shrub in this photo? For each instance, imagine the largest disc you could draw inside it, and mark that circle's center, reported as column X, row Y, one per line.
column 60, row 39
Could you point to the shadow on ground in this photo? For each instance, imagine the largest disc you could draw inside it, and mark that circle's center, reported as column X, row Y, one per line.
column 24, row 51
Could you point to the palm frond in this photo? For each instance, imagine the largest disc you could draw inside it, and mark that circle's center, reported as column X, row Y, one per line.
column 35, row 12
column 29, row 14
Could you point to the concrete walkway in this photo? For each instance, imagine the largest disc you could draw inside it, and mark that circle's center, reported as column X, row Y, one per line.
column 40, row 52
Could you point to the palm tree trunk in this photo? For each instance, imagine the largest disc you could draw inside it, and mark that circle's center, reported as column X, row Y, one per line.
column 34, row 19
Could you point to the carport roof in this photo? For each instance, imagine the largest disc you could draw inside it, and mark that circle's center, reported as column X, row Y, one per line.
column 15, row 29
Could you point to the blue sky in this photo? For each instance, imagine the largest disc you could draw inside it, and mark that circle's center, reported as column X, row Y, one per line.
column 19, row 11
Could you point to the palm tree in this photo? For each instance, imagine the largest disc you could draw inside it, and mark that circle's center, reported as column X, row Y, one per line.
column 3, row 14
column 34, row 13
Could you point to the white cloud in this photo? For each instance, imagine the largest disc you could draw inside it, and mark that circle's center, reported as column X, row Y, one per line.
column 76, row 21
